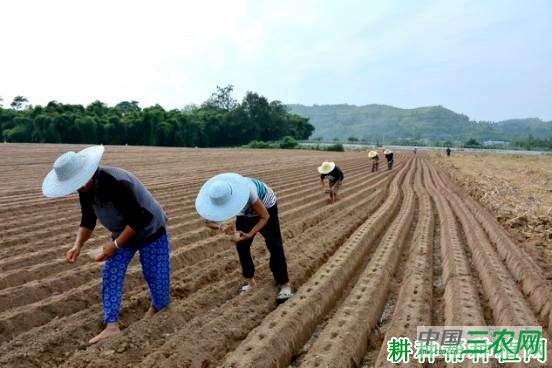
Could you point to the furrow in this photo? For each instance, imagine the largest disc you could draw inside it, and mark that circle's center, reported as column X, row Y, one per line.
column 282, row 334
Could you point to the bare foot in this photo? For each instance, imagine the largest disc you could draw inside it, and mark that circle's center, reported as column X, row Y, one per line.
column 151, row 312
column 112, row 329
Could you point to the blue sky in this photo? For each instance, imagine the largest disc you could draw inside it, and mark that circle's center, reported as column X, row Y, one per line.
column 490, row 60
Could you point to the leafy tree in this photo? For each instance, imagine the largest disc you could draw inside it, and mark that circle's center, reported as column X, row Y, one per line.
column 257, row 110
column 288, row 142
column 87, row 128
column 299, row 126
column 41, row 125
column 222, row 99
column 112, row 132
column 51, row 135
column 97, row 108
column 472, row 143
column 218, row 122
column 261, row 144
column 18, row 102
column 337, row 147
column 21, row 132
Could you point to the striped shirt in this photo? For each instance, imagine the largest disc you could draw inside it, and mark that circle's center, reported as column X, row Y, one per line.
column 259, row 190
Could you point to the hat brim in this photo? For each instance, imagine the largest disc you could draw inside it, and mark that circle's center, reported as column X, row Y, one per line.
column 240, row 195
column 323, row 171
column 52, row 187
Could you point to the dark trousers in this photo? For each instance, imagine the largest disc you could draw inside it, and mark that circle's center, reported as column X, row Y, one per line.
column 273, row 239
column 389, row 164
column 374, row 165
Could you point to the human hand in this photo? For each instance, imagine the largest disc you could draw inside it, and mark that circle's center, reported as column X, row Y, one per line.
column 72, row 254
column 107, row 251
column 240, row 236
column 227, row 229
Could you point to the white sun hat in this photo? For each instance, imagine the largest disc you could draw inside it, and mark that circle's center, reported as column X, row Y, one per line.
column 222, row 197
column 372, row 154
column 387, row 151
column 71, row 171
column 326, row 167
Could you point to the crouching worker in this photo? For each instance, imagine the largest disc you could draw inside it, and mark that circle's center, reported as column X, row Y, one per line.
column 373, row 155
column 389, row 157
column 136, row 222
column 255, row 207
column 335, row 177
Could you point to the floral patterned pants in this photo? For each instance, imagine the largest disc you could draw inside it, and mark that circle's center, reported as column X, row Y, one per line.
column 155, row 261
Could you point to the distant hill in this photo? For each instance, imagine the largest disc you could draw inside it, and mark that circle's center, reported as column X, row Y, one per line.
column 433, row 123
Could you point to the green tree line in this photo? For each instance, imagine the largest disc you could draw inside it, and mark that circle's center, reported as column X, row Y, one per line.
column 219, row 121
column 532, row 143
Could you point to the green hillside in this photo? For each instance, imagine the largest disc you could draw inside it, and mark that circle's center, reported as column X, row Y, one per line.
column 435, row 123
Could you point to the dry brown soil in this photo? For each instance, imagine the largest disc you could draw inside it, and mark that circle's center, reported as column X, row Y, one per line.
column 400, row 248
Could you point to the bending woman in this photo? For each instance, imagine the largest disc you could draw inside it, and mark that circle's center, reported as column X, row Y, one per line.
column 335, row 177
column 255, row 207
column 136, row 222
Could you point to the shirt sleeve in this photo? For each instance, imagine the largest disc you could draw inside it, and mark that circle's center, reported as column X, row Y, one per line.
column 125, row 201
column 88, row 216
column 253, row 196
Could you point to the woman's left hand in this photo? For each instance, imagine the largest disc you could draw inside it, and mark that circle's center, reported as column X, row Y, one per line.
column 243, row 236
column 107, row 251
column 227, row 229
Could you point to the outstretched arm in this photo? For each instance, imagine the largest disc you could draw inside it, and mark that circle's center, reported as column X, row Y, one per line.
column 83, row 234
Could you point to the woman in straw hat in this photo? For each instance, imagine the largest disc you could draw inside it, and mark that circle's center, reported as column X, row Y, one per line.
column 389, row 157
column 373, row 155
column 135, row 219
column 255, row 207
column 335, row 177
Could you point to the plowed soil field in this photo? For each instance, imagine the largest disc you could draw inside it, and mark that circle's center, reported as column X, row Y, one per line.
column 399, row 249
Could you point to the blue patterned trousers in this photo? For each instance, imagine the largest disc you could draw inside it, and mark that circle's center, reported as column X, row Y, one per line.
column 155, row 261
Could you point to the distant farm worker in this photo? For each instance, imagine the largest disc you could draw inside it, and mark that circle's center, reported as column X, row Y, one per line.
column 335, row 178
column 255, row 207
column 389, row 157
column 448, row 151
column 136, row 222
column 373, row 155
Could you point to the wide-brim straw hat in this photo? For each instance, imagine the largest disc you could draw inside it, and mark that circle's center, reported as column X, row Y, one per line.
column 72, row 171
column 387, row 151
column 372, row 154
column 326, row 167
column 222, row 197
